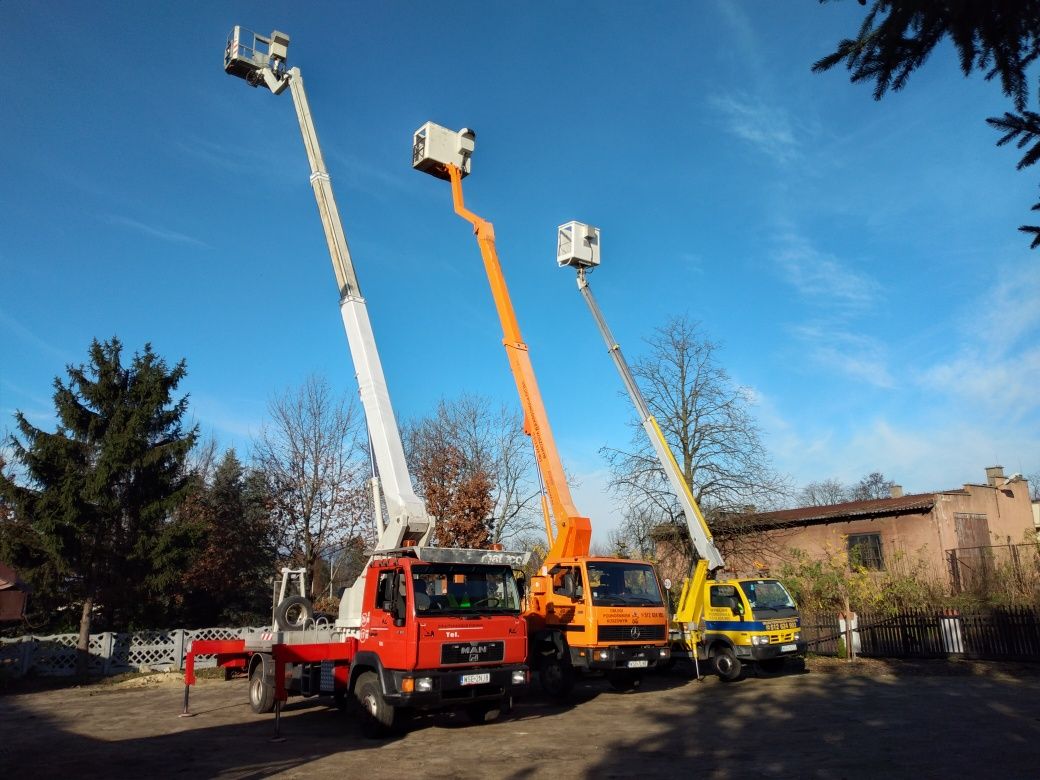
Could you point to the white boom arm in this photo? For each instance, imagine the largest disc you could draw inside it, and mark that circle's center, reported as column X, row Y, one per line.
column 698, row 528
column 408, row 519
column 260, row 60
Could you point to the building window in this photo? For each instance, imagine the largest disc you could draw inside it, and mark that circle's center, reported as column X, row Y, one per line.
column 865, row 551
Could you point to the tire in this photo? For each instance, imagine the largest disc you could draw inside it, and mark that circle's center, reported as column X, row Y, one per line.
column 772, row 666
column 667, row 666
column 556, row 678
column 376, row 715
column 727, row 665
column 488, row 711
column 261, row 692
column 624, row 680
column 293, row 613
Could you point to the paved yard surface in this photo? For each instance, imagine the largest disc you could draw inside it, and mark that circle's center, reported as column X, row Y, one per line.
column 879, row 720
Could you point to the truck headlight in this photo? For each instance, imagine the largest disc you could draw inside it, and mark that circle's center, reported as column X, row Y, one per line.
column 519, row 677
column 603, row 655
column 424, row 684
column 797, row 636
column 665, row 652
column 759, row 640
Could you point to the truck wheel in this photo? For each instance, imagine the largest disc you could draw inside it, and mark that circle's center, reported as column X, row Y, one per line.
column 556, row 678
column 624, row 680
column 261, row 693
column 771, row 666
column 488, row 711
column 377, row 716
column 727, row 665
column 293, row 613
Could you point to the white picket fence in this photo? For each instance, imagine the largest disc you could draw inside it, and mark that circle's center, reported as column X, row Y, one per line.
column 110, row 653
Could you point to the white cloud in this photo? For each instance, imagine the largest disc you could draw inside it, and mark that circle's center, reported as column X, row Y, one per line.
column 996, row 369
column 920, row 458
column 822, row 277
column 851, row 354
column 155, row 231
column 25, row 335
column 767, row 128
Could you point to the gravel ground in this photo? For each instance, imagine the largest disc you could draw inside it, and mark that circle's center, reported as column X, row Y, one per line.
column 840, row 720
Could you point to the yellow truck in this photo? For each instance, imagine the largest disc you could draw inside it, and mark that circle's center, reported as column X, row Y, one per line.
column 731, row 622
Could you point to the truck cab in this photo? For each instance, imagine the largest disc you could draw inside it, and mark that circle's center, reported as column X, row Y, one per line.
column 746, row 621
column 439, row 634
column 597, row 614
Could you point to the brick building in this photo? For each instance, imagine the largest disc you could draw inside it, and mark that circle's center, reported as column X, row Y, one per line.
column 970, row 521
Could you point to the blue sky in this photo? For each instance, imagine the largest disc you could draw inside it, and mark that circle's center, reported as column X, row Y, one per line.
column 857, row 260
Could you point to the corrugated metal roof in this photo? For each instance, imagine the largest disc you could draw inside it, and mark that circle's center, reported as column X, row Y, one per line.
column 836, row 513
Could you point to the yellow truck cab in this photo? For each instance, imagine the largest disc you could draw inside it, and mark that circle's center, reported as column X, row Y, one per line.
column 737, row 622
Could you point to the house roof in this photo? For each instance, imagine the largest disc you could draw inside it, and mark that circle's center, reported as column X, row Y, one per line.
column 836, row 513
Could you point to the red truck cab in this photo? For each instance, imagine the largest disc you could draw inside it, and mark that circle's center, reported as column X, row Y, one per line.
column 437, row 635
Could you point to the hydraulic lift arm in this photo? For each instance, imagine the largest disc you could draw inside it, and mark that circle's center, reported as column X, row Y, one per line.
column 445, row 154
column 260, row 60
column 578, row 246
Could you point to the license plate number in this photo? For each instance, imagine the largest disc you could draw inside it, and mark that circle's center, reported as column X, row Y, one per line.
column 476, row 679
column 638, row 664
column 788, row 648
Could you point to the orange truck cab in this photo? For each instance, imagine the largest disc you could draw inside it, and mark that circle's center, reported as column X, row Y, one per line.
column 599, row 614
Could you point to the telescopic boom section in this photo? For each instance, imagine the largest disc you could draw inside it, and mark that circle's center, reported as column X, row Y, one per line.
column 260, row 60
column 573, row 532
column 575, row 247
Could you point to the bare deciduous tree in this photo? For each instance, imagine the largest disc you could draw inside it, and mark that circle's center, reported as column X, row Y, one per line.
column 872, row 486
column 1034, row 485
column 824, row 493
column 490, row 440
column 310, row 460
column 707, row 421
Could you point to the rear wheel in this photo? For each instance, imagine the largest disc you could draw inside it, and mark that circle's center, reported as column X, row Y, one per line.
column 377, row 716
column 727, row 665
column 261, row 692
column 624, row 680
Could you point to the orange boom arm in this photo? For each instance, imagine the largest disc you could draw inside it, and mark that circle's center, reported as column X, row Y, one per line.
column 573, row 532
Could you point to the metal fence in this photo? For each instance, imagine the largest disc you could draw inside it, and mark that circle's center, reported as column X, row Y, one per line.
column 1007, row 634
column 110, row 653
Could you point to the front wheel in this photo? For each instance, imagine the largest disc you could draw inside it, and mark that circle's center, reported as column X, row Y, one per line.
column 727, row 665
column 261, row 692
column 488, row 712
column 624, row 680
column 376, row 714
column 556, row 678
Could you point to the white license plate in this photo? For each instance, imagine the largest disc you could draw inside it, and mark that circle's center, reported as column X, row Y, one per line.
column 638, row 664
column 476, row 679
column 788, row 648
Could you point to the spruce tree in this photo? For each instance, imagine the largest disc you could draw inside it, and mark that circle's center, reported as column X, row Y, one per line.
column 233, row 561
column 97, row 493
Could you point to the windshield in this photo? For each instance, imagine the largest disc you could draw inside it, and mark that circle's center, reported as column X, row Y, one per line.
column 456, row 588
column 768, row 596
column 623, row 584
